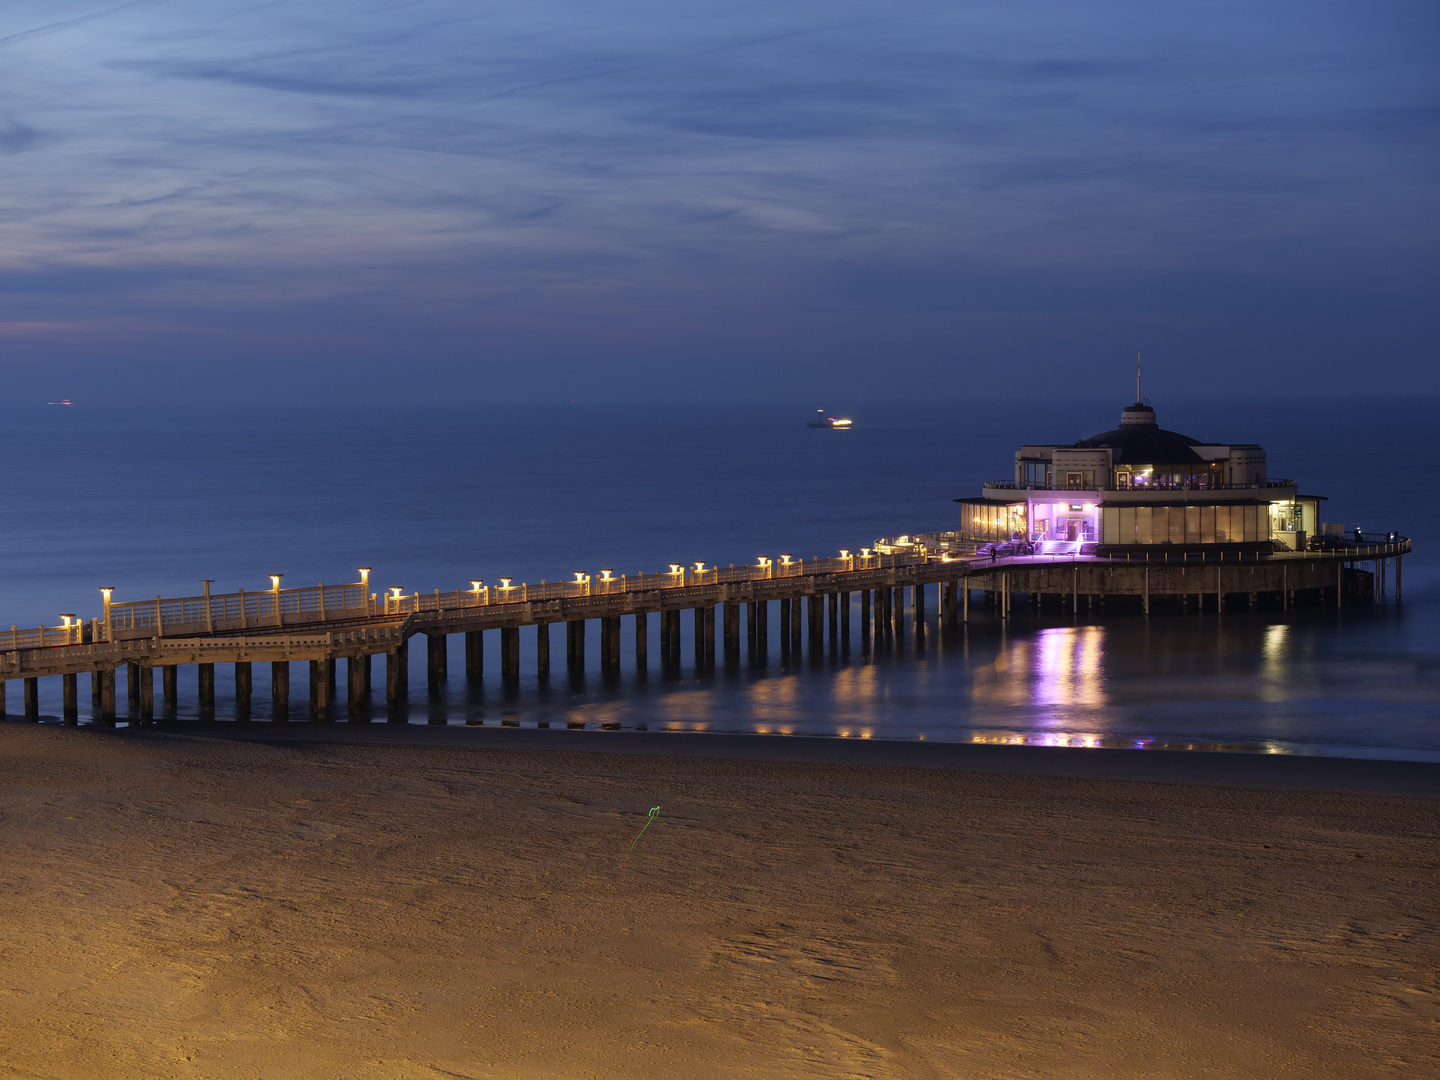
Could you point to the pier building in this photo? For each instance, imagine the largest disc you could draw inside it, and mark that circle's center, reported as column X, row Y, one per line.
column 1139, row 488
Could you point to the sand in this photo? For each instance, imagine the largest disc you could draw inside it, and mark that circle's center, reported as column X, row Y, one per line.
column 176, row 907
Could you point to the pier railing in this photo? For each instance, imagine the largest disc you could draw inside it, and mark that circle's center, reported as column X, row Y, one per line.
column 240, row 610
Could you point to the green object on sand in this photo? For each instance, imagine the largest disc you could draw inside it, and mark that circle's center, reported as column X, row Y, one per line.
column 653, row 811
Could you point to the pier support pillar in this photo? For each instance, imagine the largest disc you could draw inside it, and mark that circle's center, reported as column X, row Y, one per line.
column 2, row 699
column 709, row 635
column 865, row 619
column 965, row 601
column 642, row 641
column 795, row 630
column 474, row 654
column 132, row 685
column 170, row 688
column 280, row 689
column 357, row 689
column 207, row 689
column 700, row 637
column 760, row 619
column 397, row 675
column 575, row 646
column 816, row 602
column 147, row 693
column 669, row 640
column 320, row 675
column 95, row 682
column 32, row 699
column 1147, row 590
column 70, row 699
column 542, row 650
column 844, row 601
column 918, row 605
column 510, row 655
column 732, row 631
column 242, row 689
column 785, row 605
column 832, row 612
column 610, row 645
column 750, row 614
column 437, row 659
column 105, row 677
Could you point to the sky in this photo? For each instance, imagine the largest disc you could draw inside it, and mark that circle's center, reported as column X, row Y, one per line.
column 469, row 202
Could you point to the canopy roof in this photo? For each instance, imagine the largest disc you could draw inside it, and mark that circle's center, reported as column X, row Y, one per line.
column 1140, row 441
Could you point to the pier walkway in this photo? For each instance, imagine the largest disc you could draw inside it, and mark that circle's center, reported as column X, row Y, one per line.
column 323, row 624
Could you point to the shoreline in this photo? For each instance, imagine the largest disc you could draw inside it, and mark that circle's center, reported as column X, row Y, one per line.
column 1280, row 772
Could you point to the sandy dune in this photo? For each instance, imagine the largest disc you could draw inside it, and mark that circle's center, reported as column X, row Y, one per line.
column 181, row 908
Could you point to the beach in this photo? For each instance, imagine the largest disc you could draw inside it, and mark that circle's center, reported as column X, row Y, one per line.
column 180, row 906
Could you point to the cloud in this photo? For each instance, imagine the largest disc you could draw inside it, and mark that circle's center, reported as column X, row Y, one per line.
column 442, row 171
column 16, row 138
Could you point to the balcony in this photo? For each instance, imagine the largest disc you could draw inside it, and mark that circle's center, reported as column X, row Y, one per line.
column 1011, row 485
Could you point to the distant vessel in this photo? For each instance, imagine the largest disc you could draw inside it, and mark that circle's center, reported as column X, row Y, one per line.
column 823, row 421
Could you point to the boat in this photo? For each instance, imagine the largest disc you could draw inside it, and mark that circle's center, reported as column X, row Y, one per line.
column 823, row 421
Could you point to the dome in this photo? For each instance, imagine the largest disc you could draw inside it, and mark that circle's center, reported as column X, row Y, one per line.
column 1139, row 440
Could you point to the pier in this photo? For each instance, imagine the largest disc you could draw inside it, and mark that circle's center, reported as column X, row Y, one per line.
column 868, row 595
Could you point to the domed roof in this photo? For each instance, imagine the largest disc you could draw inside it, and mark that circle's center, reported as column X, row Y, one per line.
column 1140, row 441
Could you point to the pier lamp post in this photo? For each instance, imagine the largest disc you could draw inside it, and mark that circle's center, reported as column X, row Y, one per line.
column 505, row 588
column 67, row 618
column 275, row 596
column 606, row 577
column 784, row 562
column 677, row 571
column 849, row 559
column 105, row 591
column 764, row 562
column 393, row 598
column 476, row 584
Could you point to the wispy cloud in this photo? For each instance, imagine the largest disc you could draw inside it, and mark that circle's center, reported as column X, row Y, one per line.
column 459, row 171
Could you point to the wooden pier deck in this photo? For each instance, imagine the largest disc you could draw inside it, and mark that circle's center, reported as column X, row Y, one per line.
column 323, row 624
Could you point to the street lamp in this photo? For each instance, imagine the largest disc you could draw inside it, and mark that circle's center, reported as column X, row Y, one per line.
column 365, row 579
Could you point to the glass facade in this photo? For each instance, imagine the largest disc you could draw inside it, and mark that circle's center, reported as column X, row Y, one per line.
column 982, row 519
column 1223, row 524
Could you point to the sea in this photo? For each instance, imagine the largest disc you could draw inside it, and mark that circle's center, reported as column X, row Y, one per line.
column 151, row 501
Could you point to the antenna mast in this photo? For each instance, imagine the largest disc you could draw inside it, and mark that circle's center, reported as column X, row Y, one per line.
column 1138, row 398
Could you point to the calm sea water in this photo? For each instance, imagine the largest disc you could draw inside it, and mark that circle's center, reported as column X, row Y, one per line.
column 430, row 499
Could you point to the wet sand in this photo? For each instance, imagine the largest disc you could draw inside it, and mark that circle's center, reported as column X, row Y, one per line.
column 183, row 907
